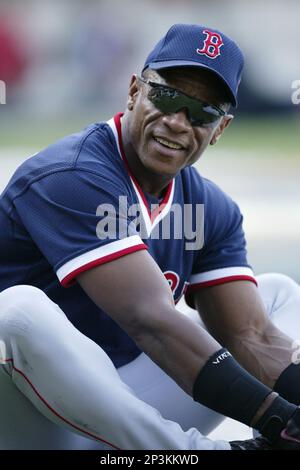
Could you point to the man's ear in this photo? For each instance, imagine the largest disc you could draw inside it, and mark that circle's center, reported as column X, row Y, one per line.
column 226, row 120
column 133, row 90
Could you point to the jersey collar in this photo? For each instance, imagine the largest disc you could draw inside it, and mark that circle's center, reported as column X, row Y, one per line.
column 151, row 218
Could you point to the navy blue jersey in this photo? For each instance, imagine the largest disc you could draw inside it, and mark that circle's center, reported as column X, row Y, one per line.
column 75, row 205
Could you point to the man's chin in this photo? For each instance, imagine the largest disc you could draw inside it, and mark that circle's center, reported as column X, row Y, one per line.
column 163, row 169
column 163, row 165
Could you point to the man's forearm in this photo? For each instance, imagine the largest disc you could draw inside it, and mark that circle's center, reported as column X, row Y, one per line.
column 264, row 354
column 178, row 345
column 182, row 349
column 192, row 358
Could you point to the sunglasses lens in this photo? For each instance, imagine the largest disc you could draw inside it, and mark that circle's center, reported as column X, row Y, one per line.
column 168, row 100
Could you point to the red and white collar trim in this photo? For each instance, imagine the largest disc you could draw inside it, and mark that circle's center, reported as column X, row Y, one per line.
column 151, row 218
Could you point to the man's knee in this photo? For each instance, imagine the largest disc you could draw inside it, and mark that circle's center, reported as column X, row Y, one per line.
column 20, row 307
column 21, row 296
column 278, row 291
column 277, row 282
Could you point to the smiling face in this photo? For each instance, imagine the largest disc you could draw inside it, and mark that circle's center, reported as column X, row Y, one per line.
column 166, row 143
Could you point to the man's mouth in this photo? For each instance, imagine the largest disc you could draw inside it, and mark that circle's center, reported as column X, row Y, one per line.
column 168, row 143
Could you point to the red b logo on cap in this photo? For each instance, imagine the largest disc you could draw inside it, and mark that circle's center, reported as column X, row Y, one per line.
column 212, row 44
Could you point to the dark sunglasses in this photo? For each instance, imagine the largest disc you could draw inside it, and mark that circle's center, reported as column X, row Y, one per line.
column 170, row 100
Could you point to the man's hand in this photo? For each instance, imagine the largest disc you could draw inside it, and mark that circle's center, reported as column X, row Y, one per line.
column 289, row 438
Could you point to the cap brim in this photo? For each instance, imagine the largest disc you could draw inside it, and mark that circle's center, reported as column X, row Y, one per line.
column 187, row 63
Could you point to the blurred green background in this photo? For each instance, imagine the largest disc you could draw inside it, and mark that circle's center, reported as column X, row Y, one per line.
column 278, row 136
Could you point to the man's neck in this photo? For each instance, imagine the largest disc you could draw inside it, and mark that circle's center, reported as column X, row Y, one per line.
column 150, row 183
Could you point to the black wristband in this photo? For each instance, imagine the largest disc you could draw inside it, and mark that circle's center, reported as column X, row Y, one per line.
column 288, row 384
column 224, row 386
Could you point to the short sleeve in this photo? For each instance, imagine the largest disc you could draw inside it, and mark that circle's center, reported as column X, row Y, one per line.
column 223, row 257
column 78, row 220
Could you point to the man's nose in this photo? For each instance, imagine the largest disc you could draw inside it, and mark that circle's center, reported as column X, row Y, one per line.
column 177, row 122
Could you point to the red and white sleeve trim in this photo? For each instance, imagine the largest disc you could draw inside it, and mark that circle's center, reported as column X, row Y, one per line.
column 68, row 272
column 220, row 276
column 215, row 277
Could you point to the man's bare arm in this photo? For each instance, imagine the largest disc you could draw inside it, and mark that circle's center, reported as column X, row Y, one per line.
column 135, row 293
column 235, row 315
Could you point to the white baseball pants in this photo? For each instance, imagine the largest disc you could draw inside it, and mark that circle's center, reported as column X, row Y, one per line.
column 59, row 390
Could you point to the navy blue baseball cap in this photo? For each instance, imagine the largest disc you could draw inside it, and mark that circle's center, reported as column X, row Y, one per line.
column 191, row 45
